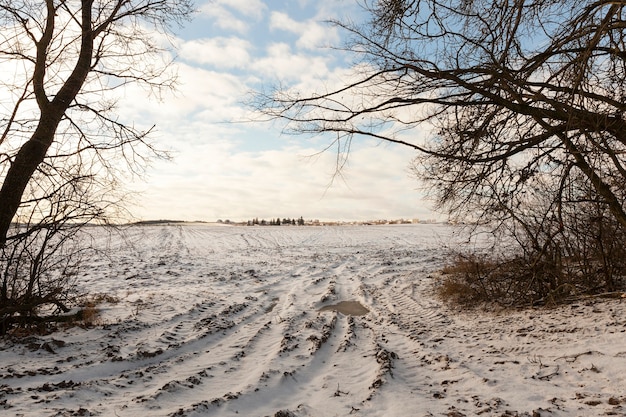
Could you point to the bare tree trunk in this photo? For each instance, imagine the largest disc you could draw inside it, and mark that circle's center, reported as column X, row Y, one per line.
column 33, row 152
column 30, row 155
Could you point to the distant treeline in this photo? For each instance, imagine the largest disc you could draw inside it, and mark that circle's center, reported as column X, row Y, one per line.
column 162, row 221
column 276, row 222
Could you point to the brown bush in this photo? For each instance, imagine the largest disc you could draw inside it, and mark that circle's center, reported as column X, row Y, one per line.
column 532, row 279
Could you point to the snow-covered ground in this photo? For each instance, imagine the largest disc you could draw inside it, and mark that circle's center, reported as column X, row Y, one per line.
column 225, row 321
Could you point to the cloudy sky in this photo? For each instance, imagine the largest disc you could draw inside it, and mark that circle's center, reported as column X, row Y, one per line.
column 226, row 168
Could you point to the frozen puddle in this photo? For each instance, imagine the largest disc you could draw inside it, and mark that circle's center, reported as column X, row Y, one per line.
column 349, row 308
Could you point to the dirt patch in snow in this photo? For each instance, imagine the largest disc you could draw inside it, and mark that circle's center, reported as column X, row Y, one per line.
column 347, row 308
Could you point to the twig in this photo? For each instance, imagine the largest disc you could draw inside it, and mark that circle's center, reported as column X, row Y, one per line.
column 572, row 358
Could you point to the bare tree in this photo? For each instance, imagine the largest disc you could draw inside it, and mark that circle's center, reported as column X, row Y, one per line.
column 66, row 54
column 40, row 264
column 64, row 153
column 524, row 101
column 520, row 96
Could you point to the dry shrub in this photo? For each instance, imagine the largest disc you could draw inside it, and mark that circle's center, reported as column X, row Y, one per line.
column 546, row 260
column 101, row 298
column 473, row 279
column 454, row 290
column 532, row 279
column 89, row 314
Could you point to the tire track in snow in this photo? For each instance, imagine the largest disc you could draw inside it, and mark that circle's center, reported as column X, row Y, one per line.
column 237, row 324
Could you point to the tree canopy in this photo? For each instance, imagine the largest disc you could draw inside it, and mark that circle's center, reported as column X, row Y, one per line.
column 516, row 112
column 524, row 99
column 59, row 131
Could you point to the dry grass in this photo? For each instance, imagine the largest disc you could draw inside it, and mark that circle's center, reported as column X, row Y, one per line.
column 453, row 290
column 101, row 298
column 89, row 314
column 528, row 280
column 472, row 280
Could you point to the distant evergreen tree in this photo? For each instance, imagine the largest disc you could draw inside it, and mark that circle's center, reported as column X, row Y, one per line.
column 274, row 222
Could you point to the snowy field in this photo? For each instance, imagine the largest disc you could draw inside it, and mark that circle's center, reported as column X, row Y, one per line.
column 225, row 321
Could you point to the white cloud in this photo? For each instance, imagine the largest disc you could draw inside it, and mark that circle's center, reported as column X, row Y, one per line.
column 214, row 95
column 219, row 182
column 281, row 63
column 252, row 8
column 228, row 170
column 225, row 20
column 311, row 34
column 223, row 13
column 238, row 171
column 219, row 52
